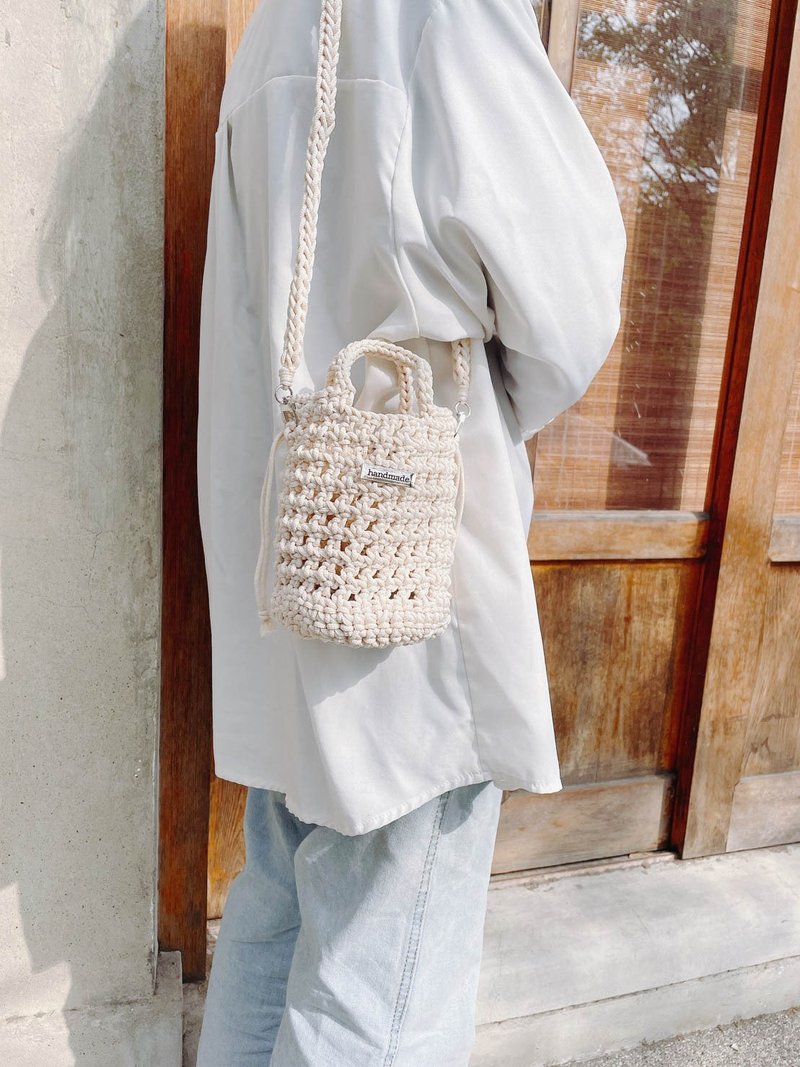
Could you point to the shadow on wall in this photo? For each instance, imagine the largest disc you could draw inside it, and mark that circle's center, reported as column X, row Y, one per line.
column 80, row 470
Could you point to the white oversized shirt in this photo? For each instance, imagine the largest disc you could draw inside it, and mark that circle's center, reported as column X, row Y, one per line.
column 462, row 196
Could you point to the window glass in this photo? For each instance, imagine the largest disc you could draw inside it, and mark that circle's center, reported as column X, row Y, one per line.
column 670, row 92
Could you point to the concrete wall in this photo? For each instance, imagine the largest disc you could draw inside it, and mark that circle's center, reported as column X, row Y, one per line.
column 81, row 92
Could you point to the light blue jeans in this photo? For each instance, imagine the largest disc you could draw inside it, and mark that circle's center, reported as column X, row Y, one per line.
column 362, row 951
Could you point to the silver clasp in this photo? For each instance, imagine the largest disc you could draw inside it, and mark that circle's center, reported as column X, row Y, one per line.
column 284, row 397
column 462, row 412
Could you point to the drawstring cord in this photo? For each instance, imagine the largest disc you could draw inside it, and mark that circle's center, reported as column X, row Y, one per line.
column 262, row 567
column 460, row 491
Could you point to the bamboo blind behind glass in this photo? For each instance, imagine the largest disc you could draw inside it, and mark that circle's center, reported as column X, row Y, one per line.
column 787, row 500
column 670, row 92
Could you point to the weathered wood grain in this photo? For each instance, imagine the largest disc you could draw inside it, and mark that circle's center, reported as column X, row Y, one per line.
column 766, row 811
column 583, row 822
column 617, row 534
column 195, row 69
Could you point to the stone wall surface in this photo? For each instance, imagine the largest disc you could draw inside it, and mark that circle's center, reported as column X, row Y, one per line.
column 81, row 238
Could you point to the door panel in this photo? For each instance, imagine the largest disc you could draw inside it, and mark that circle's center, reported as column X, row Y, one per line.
column 615, row 639
column 613, row 818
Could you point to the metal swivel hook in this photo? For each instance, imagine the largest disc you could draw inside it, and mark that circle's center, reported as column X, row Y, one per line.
column 462, row 411
column 285, row 400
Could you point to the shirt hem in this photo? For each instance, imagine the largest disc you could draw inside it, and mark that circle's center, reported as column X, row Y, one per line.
column 546, row 785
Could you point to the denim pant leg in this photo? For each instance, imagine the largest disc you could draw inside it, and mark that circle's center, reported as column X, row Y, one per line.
column 386, row 964
column 247, row 983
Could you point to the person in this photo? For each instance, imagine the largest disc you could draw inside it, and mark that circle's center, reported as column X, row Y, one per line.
column 463, row 197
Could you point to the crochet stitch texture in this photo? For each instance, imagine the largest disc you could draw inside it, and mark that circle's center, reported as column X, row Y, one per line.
column 358, row 561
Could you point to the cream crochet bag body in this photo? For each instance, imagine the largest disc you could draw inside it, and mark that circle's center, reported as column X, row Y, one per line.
column 371, row 501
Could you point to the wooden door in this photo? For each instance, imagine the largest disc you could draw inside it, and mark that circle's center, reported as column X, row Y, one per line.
column 632, row 485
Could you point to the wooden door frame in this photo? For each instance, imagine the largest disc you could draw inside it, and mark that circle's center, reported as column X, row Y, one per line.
column 195, row 74
column 197, row 44
column 745, row 465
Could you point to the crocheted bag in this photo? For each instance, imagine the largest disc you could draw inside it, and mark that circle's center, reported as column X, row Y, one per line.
column 371, row 501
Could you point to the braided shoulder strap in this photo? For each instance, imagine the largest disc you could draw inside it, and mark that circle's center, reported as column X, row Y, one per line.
column 322, row 124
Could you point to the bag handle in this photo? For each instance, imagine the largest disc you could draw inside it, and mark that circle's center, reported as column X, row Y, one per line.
column 410, row 368
column 322, row 123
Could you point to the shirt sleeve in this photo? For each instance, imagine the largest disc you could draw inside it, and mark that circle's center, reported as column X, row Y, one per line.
column 516, row 205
